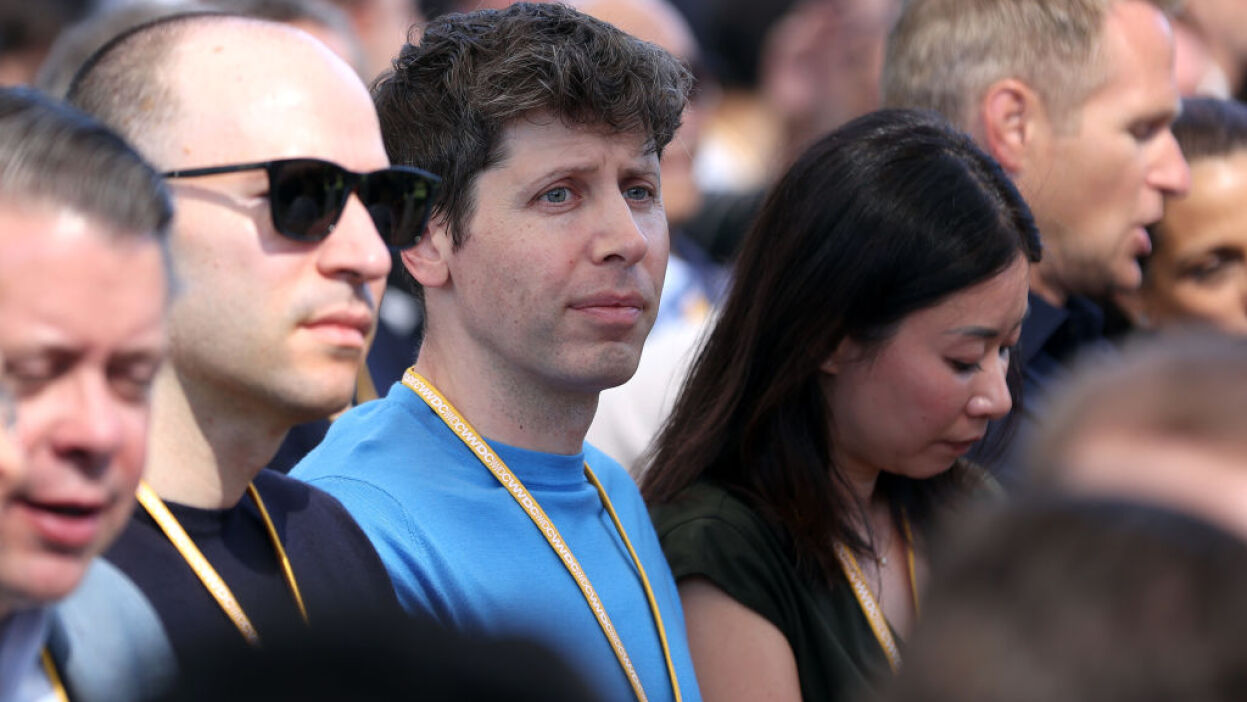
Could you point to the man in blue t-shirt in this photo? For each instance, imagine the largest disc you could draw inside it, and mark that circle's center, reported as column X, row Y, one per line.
column 539, row 273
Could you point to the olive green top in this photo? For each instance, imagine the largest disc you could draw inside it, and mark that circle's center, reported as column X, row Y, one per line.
column 708, row 532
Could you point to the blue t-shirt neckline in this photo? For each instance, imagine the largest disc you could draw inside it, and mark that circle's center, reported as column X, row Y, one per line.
column 533, row 468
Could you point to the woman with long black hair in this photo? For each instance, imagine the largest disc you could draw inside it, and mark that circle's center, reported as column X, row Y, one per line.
column 863, row 349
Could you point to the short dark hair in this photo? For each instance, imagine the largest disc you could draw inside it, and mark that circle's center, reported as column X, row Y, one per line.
column 1210, row 127
column 1082, row 601
column 448, row 99
column 885, row 216
column 51, row 153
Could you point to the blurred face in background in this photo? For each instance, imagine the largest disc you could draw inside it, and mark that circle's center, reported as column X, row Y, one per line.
column 1198, row 270
column 82, row 334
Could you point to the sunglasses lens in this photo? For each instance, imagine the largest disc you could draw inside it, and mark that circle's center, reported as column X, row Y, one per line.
column 398, row 201
column 307, row 197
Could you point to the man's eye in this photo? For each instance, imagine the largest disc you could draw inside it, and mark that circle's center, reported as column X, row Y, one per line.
column 639, row 192
column 27, row 376
column 134, row 382
column 1144, row 131
column 556, row 196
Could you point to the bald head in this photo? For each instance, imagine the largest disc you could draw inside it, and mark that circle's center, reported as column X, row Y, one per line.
column 207, row 77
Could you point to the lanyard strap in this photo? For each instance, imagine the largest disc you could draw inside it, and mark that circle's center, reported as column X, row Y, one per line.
column 870, row 608
column 54, row 676
column 203, row 569
column 486, row 455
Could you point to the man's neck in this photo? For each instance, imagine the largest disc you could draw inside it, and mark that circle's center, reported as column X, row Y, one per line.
column 205, row 446
column 508, row 409
column 1046, row 286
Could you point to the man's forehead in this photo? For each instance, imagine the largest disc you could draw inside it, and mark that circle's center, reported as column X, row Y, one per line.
column 53, row 258
column 32, row 229
column 536, row 131
column 262, row 91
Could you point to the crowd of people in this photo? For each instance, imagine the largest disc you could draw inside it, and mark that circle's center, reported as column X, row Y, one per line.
column 622, row 350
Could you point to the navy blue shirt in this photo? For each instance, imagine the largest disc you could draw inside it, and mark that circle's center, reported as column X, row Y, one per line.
column 337, row 569
column 1052, row 338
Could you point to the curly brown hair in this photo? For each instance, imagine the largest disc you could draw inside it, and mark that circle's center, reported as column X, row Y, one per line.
column 447, row 101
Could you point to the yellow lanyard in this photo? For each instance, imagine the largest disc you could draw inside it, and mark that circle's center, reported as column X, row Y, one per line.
column 207, row 574
column 477, row 445
column 54, row 677
column 874, row 614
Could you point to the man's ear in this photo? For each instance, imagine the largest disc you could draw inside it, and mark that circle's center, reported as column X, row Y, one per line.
column 1011, row 114
column 427, row 260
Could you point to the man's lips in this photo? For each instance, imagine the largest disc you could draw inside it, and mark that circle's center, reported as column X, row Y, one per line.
column 342, row 327
column 615, row 308
column 68, row 524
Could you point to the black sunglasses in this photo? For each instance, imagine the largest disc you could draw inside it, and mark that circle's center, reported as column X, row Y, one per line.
column 306, row 197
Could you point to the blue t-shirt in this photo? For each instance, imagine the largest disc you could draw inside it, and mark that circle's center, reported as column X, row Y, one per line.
column 458, row 547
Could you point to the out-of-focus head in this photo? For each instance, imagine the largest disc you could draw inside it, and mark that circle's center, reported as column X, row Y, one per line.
column 1086, row 601
column 658, row 22
column 452, row 97
column 792, row 70
column 1221, row 24
column 871, row 312
column 1165, row 423
column 73, row 47
column 1195, row 69
column 383, row 26
column 1197, row 272
column 275, row 324
column 320, row 18
column 822, row 64
column 733, row 35
column 27, row 32
column 1074, row 98
column 83, row 294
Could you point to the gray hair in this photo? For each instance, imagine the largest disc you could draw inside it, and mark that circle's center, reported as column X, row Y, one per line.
column 942, row 55
column 51, row 153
